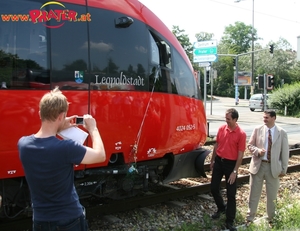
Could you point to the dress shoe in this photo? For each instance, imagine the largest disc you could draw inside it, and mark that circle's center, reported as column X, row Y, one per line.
column 217, row 214
column 248, row 223
column 231, row 227
column 270, row 224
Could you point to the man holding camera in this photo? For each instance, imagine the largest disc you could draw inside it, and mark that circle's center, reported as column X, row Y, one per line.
column 49, row 162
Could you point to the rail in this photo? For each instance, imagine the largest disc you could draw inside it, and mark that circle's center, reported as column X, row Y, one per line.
column 146, row 200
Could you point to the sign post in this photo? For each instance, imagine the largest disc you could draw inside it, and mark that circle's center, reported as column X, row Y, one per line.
column 205, row 51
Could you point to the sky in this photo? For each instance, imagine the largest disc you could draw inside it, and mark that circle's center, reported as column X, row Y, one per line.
column 272, row 18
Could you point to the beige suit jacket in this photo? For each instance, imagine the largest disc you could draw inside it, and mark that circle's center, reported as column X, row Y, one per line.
column 279, row 153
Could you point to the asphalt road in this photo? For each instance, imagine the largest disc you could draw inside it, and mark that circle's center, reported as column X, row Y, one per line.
column 248, row 120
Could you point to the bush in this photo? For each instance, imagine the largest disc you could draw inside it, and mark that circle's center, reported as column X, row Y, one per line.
column 288, row 96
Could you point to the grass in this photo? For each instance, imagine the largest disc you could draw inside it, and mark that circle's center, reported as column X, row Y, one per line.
column 288, row 213
column 287, row 218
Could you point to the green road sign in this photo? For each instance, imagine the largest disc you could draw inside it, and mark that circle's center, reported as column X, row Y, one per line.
column 205, row 51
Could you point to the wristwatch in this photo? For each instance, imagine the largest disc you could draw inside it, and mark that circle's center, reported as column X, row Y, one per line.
column 234, row 171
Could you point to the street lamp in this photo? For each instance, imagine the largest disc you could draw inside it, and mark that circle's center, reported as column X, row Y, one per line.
column 252, row 55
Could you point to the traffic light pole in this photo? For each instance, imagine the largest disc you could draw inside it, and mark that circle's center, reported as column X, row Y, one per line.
column 236, row 70
column 208, row 79
column 265, row 92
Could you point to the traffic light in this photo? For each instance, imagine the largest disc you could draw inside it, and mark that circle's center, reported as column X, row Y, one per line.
column 260, row 81
column 271, row 48
column 270, row 82
column 233, row 62
column 207, row 77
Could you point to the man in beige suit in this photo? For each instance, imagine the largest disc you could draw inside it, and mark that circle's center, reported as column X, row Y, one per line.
column 270, row 154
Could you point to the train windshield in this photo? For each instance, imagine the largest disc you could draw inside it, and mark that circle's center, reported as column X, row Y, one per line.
column 88, row 48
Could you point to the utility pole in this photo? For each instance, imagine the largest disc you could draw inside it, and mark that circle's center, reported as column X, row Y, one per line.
column 252, row 57
column 236, row 80
column 204, row 84
column 211, row 89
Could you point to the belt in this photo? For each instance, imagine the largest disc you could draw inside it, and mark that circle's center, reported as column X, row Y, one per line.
column 225, row 160
column 266, row 161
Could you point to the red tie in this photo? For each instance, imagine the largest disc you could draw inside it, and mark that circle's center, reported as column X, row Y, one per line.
column 269, row 145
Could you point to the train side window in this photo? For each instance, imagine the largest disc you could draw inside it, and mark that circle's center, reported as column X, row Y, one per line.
column 161, row 54
column 154, row 51
column 165, row 54
column 23, row 47
column 184, row 78
column 69, row 50
column 119, row 57
column 163, row 49
column 176, row 76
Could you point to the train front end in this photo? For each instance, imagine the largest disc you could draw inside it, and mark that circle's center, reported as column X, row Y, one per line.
column 116, row 61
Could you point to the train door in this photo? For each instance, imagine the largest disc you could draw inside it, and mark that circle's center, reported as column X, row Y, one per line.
column 68, row 49
column 119, row 54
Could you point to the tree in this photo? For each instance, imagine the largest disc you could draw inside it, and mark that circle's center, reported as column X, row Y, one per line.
column 238, row 37
column 185, row 43
column 78, row 64
column 204, row 36
column 281, row 64
column 295, row 72
column 223, row 85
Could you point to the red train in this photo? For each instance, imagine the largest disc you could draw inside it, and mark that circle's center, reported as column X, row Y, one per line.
column 116, row 61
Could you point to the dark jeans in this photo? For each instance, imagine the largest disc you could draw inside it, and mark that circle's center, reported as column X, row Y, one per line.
column 224, row 167
column 78, row 224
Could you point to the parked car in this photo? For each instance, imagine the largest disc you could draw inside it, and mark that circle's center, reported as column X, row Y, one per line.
column 257, row 102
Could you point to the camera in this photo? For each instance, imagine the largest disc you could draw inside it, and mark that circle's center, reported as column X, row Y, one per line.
column 79, row 120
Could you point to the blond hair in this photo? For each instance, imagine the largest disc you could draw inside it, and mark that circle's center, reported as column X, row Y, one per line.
column 52, row 104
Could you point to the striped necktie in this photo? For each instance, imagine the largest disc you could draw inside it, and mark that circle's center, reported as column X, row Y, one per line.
column 269, row 145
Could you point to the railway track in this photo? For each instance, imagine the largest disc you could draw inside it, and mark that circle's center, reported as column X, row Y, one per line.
column 176, row 192
column 170, row 192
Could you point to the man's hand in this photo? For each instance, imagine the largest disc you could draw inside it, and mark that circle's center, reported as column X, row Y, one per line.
column 232, row 178
column 69, row 122
column 212, row 165
column 89, row 123
column 261, row 152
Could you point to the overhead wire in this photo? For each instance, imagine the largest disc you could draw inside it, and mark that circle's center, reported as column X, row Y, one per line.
column 256, row 12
